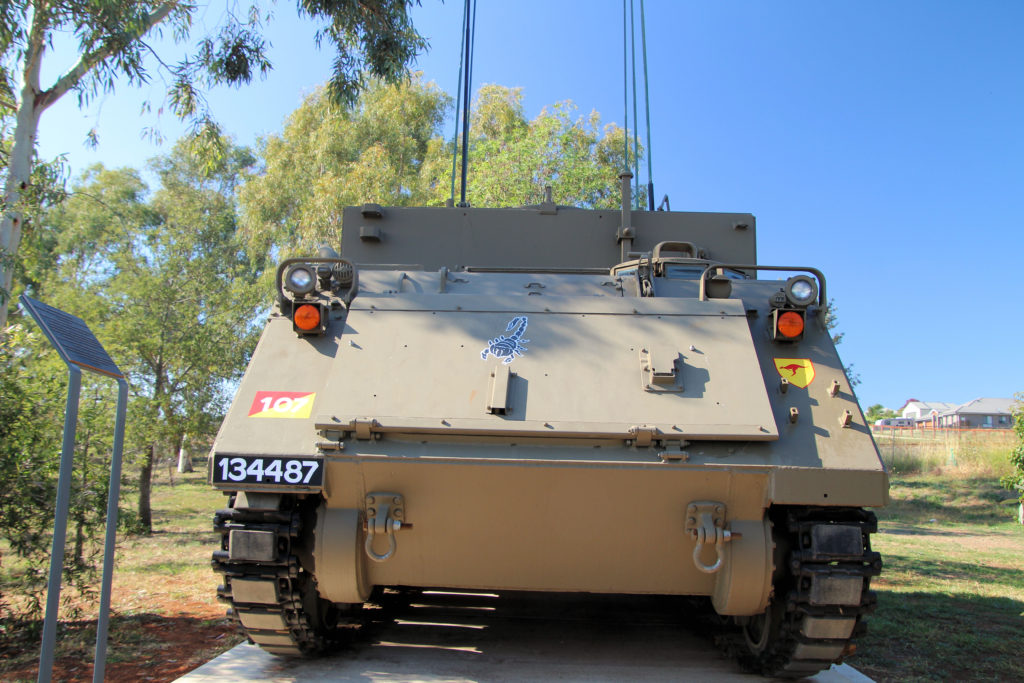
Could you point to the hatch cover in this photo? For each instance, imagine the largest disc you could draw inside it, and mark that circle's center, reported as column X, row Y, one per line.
column 570, row 373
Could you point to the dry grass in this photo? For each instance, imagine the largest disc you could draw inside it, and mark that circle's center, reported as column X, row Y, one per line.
column 165, row 619
column 973, row 453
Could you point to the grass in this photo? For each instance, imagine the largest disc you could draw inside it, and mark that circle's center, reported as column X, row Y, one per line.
column 971, row 452
column 165, row 619
column 951, row 594
column 950, row 598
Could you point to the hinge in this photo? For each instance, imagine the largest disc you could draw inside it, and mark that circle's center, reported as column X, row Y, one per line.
column 643, row 435
column 363, row 427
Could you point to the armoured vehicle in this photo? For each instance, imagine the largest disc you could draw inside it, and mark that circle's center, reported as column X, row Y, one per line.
column 550, row 399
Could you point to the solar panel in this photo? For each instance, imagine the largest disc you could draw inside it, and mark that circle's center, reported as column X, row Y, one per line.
column 72, row 338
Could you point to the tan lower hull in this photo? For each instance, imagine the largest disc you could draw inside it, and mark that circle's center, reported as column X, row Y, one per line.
column 551, row 526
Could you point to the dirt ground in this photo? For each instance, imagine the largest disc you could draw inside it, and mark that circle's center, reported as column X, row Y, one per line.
column 161, row 644
column 165, row 617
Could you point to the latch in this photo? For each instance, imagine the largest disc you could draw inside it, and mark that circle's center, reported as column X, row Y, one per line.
column 385, row 513
column 705, row 522
column 330, row 439
column 659, row 369
column 672, row 451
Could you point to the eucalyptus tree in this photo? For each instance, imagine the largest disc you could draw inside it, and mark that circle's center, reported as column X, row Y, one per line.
column 113, row 41
column 330, row 156
column 389, row 149
column 512, row 158
column 170, row 288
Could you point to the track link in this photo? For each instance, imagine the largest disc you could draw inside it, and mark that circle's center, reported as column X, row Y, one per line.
column 272, row 598
column 822, row 592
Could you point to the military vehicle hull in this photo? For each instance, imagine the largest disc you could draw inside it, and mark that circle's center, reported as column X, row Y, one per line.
column 580, row 418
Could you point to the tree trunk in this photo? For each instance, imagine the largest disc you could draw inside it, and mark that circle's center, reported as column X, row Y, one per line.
column 80, row 511
column 34, row 100
column 184, row 459
column 145, row 486
column 19, row 173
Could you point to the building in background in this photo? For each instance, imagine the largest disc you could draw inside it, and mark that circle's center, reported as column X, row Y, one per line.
column 925, row 413
column 981, row 413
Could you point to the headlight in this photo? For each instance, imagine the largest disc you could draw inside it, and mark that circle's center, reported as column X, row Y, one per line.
column 801, row 290
column 299, row 280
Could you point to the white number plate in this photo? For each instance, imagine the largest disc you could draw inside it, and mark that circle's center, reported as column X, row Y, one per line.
column 236, row 469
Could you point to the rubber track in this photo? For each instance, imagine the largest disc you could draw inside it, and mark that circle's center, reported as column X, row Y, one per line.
column 297, row 636
column 781, row 658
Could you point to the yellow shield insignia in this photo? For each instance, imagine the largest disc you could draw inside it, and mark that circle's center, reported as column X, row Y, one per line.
column 799, row 371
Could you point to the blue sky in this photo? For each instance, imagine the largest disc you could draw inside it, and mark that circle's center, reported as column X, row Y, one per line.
column 882, row 142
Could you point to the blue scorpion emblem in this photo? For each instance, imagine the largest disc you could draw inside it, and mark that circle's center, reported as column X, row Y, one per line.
column 511, row 346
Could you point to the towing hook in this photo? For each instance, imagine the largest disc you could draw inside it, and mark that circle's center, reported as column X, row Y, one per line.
column 705, row 523
column 383, row 517
column 390, row 529
column 713, row 535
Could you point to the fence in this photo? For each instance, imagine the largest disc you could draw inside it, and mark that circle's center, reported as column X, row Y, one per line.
column 906, row 449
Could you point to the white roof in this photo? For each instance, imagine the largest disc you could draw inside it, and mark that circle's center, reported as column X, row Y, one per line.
column 925, row 407
column 986, row 406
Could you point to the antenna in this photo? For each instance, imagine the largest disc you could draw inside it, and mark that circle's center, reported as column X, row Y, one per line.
column 470, row 24
column 628, row 79
column 647, row 111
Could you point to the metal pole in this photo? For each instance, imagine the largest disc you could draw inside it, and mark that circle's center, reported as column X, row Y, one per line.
column 647, row 110
column 465, row 113
column 113, row 494
column 60, row 526
column 636, row 119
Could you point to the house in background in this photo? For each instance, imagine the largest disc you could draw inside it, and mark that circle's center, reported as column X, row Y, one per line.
column 981, row 413
column 925, row 413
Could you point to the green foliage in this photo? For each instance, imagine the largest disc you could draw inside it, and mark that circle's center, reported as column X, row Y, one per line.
column 370, row 36
column 46, row 189
column 878, row 412
column 329, row 157
column 389, row 149
column 169, row 287
column 512, row 159
column 831, row 324
column 33, row 388
column 1014, row 481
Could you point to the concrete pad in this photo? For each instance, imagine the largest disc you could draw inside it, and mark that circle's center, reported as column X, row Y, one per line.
column 440, row 636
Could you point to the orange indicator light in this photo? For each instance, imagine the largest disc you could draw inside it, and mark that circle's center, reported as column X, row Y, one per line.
column 791, row 324
column 307, row 317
